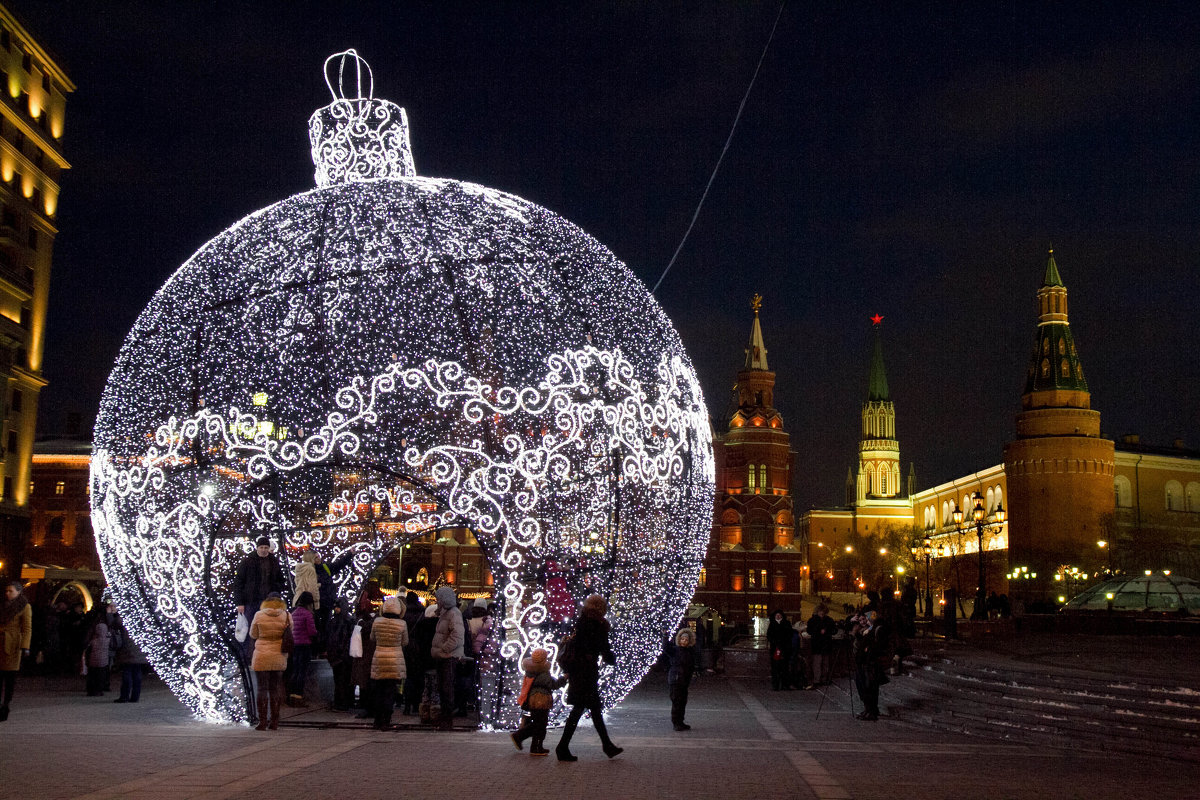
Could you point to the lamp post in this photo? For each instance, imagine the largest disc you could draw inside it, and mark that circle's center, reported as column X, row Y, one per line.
column 981, row 524
column 927, row 548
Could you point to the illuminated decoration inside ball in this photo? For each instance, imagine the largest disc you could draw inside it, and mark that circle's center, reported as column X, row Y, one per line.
column 384, row 357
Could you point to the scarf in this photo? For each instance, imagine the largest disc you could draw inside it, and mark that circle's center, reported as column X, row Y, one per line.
column 11, row 608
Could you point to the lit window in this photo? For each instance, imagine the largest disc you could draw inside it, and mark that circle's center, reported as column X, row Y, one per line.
column 1066, row 369
column 60, row 487
column 883, row 483
column 750, row 578
column 751, row 477
column 762, row 573
column 762, row 475
column 703, row 577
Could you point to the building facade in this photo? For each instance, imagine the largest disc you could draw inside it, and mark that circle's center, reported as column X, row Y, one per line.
column 753, row 566
column 32, row 110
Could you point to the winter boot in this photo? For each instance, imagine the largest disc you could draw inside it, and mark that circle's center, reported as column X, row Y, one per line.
column 3, row 713
column 262, row 714
column 536, row 748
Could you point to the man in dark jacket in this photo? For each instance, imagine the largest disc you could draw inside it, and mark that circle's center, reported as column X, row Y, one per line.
column 821, row 629
column 258, row 575
column 871, row 656
column 337, row 651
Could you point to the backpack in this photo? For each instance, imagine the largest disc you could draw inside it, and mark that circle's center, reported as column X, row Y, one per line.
column 566, row 652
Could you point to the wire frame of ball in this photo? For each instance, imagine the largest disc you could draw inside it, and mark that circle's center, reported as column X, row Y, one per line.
column 369, row 364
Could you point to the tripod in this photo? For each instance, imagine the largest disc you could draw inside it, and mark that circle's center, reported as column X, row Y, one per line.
column 841, row 659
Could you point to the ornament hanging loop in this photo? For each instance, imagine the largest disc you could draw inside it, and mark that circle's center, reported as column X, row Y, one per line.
column 359, row 64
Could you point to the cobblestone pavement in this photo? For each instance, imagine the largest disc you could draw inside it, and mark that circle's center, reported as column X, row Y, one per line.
column 747, row 741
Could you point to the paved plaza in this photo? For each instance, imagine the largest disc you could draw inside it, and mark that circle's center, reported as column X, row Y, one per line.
column 746, row 741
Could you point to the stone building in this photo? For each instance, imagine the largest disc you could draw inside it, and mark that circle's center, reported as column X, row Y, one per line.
column 753, row 566
column 32, row 109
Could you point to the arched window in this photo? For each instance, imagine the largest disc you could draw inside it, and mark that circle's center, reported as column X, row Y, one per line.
column 945, row 512
column 883, row 482
column 762, row 476
column 1045, row 368
column 750, row 479
column 1174, row 496
column 991, row 500
column 1066, row 369
column 1123, row 491
column 1192, row 494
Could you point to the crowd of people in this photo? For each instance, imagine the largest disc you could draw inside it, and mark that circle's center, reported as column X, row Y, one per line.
column 873, row 639
column 389, row 651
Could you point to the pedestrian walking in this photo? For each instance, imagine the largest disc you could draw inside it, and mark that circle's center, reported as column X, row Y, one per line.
column 536, row 700
column 16, row 630
column 390, row 634
column 268, row 629
column 414, row 658
column 589, row 642
column 304, row 634
column 682, row 655
column 132, row 663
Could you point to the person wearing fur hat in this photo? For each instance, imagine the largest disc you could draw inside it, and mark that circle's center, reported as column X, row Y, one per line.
column 583, row 689
column 306, row 578
column 536, row 699
column 258, row 575
column 304, row 634
column 446, row 649
column 16, row 629
column 267, row 629
column 390, row 634
column 682, row 653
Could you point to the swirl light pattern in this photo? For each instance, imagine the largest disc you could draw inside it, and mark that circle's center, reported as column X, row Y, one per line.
column 359, row 365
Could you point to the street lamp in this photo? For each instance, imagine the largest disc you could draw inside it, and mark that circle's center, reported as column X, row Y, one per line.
column 927, row 549
column 982, row 525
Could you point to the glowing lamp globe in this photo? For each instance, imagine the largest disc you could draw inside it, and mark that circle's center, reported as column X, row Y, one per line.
column 380, row 359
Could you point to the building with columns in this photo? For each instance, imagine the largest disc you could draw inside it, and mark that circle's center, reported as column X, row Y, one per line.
column 32, row 109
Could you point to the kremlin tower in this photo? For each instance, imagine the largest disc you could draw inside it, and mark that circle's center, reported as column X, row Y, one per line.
column 1059, row 469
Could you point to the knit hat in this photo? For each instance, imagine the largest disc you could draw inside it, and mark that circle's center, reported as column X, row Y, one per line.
column 393, row 605
column 539, row 656
column 480, row 602
column 264, row 539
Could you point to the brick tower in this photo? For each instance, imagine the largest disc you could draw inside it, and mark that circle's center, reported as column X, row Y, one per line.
column 753, row 566
column 1059, row 470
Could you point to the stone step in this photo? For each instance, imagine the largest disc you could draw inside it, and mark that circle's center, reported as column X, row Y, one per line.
column 1173, row 707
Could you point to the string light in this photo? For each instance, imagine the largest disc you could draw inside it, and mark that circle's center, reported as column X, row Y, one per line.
column 386, row 356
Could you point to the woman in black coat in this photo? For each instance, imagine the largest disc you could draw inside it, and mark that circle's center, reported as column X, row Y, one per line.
column 583, row 690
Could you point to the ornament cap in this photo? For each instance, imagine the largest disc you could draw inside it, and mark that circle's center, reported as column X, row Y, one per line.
column 357, row 138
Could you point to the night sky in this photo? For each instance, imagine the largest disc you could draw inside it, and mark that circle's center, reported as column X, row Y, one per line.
column 912, row 165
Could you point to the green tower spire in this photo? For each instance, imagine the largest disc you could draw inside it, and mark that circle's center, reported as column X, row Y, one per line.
column 1052, row 278
column 877, row 389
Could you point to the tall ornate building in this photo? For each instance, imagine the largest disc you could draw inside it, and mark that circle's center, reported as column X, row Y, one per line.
column 32, row 107
column 1060, row 470
column 753, row 566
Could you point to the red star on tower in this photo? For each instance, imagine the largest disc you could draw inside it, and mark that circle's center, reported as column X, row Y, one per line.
column 878, row 318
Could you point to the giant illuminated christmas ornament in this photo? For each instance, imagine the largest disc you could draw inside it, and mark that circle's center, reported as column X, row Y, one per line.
column 385, row 356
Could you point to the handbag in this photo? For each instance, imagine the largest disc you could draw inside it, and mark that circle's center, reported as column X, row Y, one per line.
column 356, row 647
column 288, row 642
column 241, row 628
column 524, row 695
